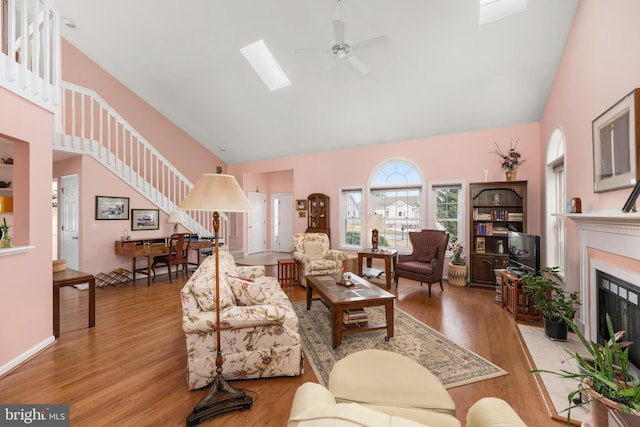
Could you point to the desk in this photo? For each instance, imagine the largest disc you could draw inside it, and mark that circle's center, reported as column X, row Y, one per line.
column 71, row 277
column 389, row 255
column 150, row 248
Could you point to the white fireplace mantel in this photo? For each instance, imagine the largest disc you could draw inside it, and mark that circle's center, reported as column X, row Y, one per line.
column 611, row 231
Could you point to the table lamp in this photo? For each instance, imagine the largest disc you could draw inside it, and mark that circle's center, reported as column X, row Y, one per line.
column 217, row 193
column 176, row 217
column 375, row 222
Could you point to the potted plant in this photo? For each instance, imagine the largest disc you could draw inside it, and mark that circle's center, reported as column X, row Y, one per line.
column 555, row 305
column 511, row 159
column 457, row 269
column 5, row 240
column 604, row 378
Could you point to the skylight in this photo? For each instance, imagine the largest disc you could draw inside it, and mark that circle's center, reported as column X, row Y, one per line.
column 494, row 10
column 265, row 65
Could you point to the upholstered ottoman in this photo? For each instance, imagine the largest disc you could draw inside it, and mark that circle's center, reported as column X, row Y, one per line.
column 393, row 384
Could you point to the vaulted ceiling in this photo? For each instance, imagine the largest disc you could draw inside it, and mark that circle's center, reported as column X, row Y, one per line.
column 440, row 73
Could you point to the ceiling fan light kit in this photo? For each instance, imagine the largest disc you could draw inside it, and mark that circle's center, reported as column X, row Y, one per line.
column 342, row 49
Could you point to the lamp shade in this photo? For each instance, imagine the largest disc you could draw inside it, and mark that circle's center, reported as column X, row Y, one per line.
column 375, row 222
column 216, row 193
column 176, row 217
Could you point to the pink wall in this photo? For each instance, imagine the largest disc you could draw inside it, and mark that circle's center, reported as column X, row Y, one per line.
column 449, row 157
column 183, row 151
column 97, row 237
column 25, row 287
column 599, row 66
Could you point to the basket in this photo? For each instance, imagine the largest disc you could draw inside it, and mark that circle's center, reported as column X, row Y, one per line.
column 59, row 265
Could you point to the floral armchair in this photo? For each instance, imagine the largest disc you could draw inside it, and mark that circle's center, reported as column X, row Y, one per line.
column 312, row 251
column 259, row 328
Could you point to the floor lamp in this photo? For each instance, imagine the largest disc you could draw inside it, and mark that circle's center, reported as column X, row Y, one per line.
column 217, row 193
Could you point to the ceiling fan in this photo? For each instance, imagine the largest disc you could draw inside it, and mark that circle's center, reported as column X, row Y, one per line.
column 342, row 49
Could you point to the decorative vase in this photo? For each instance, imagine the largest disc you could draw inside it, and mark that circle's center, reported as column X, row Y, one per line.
column 510, row 174
column 457, row 275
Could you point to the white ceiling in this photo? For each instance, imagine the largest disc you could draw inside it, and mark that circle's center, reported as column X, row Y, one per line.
column 439, row 74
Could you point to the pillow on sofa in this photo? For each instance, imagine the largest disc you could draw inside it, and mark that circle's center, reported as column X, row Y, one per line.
column 204, row 290
column 247, row 291
column 313, row 250
column 426, row 253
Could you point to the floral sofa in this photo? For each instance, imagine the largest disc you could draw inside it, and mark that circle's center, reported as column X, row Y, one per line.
column 313, row 251
column 259, row 329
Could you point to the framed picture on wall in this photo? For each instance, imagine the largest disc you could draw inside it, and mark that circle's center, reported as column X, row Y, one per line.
column 145, row 219
column 616, row 145
column 108, row 207
column 301, row 204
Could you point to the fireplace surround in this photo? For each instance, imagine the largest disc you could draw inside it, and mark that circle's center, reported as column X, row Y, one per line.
column 609, row 248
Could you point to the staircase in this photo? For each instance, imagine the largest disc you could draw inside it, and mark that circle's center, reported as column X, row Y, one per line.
column 87, row 125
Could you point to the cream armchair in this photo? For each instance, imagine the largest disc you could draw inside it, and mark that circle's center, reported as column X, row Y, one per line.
column 313, row 251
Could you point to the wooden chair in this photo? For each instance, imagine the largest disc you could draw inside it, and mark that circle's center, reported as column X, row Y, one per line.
column 426, row 262
column 178, row 255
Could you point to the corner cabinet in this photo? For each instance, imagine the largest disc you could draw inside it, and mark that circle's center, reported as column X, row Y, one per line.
column 318, row 220
column 495, row 209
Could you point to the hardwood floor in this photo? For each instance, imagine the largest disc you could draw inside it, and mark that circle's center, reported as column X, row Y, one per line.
column 130, row 369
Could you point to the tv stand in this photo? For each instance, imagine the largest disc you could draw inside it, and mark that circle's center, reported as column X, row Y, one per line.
column 514, row 299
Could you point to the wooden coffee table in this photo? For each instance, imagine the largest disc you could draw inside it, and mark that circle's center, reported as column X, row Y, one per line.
column 339, row 298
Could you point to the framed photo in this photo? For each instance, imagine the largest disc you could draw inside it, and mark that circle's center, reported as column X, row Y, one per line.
column 108, row 207
column 480, row 245
column 301, row 204
column 616, row 145
column 145, row 219
column 302, row 214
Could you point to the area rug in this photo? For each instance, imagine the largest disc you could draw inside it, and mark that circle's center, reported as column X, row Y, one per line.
column 452, row 364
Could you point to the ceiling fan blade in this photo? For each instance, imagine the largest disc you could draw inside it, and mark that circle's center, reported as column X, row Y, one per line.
column 372, row 42
column 358, row 65
column 311, row 50
column 338, row 31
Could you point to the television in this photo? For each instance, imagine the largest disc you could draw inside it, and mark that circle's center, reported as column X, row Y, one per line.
column 524, row 253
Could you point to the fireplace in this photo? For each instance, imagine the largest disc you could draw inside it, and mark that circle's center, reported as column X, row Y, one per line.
column 619, row 299
column 610, row 275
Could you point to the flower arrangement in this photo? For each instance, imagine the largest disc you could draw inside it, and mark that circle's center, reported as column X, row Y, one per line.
column 456, row 250
column 512, row 158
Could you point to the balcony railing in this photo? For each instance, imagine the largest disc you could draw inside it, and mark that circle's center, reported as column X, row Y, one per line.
column 30, row 50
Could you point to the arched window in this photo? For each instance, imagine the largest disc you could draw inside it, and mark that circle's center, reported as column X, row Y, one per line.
column 556, row 199
column 396, row 193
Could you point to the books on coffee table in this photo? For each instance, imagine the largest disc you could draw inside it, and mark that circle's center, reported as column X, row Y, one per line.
column 354, row 315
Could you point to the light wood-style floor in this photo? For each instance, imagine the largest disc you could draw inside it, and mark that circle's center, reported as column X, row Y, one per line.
column 130, row 369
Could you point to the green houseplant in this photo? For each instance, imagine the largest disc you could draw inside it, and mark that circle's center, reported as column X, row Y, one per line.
column 604, row 378
column 552, row 301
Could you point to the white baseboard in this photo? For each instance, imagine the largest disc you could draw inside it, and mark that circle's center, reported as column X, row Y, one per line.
column 26, row 355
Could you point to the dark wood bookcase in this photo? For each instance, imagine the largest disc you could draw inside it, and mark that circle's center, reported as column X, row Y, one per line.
column 495, row 209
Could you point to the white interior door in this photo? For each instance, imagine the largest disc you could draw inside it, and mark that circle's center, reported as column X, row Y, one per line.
column 281, row 222
column 68, row 211
column 257, row 224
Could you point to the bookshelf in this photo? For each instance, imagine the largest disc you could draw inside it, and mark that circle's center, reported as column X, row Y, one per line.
column 495, row 209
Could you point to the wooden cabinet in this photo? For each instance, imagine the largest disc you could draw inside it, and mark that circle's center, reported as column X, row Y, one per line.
column 495, row 209
column 318, row 220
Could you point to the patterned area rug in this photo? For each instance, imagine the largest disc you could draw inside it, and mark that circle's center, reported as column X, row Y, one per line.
column 452, row 364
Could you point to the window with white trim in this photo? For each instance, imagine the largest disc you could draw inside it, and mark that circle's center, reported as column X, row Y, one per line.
column 556, row 202
column 446, row 200
column 395, row 191
column 351, row 217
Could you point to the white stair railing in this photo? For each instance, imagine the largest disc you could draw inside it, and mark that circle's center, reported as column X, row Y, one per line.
column 30, row 50
column 86, row 124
